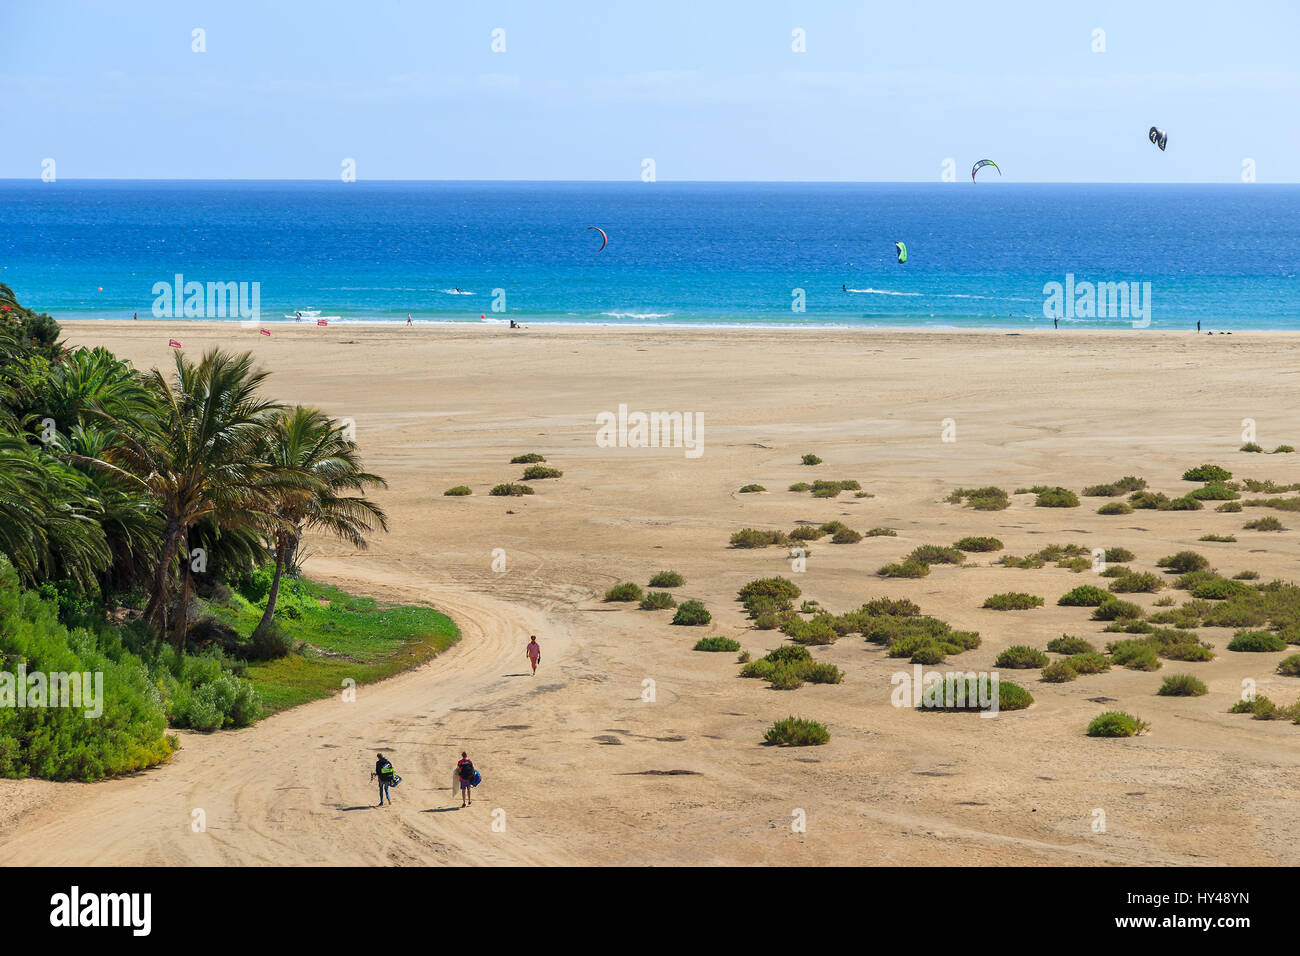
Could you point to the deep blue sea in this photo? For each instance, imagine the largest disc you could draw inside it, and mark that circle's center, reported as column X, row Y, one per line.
column 678, row 253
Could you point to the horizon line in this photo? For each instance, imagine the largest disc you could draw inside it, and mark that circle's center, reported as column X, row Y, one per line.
column 634, row 181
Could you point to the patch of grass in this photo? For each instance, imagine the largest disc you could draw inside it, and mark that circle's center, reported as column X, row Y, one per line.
column 1059, row 672
column 989, row 498
column 692, row 613
column 800, row 486
column 1147, row 500
column 1264, row 524
column 1229, row 507
column 882, row 533
column 1012, row 601
column 1219, row 538
column 754, row 538
column 1289, row 666
column 1057, row 498
column 510, row 491
column 796, row 732
column 458, row 491
column 1246, row 576
column 752, row 489
column 846, row 536
column 1283, row 450
column 936, row 554
column 1022, row 656
column 978, row 544
column 1089, row 662
column 1256, row 642
column 1251, row 446
column 1182, row 685
column 716, row 644
column 531, row 458
column 540, row 472
column 1137, row 582
column 810, row 460
column 658, row 601
column 1085, row 595
column 667, row 579
column 1065, row 644
column 1116, row 723
column 627, row 591
column 1207, row 473
column 1115, row 508
column 909, row 568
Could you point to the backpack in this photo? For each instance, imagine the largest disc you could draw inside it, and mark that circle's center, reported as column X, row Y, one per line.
column 386, row 772
column 466, row 770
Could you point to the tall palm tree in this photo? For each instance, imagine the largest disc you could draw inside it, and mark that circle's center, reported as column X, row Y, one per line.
column 198, row 460
column 306, row 442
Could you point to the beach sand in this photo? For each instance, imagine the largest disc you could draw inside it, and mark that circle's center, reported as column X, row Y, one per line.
column 577, row 766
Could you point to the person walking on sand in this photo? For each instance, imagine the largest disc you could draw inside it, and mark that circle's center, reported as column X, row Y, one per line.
column 534, row 652
column 384, row 771
column 465, row 773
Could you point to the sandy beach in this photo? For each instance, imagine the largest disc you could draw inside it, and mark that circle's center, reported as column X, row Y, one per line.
column 578, row 767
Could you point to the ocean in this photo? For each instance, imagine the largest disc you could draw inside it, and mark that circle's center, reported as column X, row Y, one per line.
column 771, row 254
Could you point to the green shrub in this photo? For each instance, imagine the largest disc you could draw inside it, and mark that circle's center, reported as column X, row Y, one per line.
column 936, row 554
column 785, row 678
column 1131, row 483
column 1207, row 473
column 458, row 491
column 1184, row 561
column 977, row 545
column 1101, row 491
column 1289, row 666
column 667, row 579
column 752, row 489
column 1219, row 538
column 716, row 644
column 1012, row 601
column 1148, row 499
column 531, row 458
column 1220, row 589
column 1231, row 507
column 692, row 614
column 1135, row 582
column 1116, row 724
column 1283, row 450
column 981, row 499
column 811, row 460
column 1021, row 656
column 1257, row 642
column 1186, row 503
column 1182, row 685
column 1135, row 655
column 763, row 669
column 1251, row 446
column 1118, row 555
column 1115, row 508
column 1065, row 644
column 1214, row 493
column 777, row 587
column 627, row 591
column 510, row 491
column 539, row 472
column 1059, row 672
column 800, row 486
column 1085, row 595
column 906, row 569
column 1117, row 610
column 846, row 536
column 1090, row 662
column 1057, row 498
column 1264, row 524
column 657, row 601
column 962, row 693
column 882, row 533
column 806, row 533
column 753, row 538
column 1246, row 576
column 796, row 732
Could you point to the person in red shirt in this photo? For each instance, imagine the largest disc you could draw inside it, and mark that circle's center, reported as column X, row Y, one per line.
column 465, row 773
column 534, row 652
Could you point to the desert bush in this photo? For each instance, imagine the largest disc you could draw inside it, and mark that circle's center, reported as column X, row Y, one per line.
column 1115, row 508
column 1115, row 723
column 882, row 533
column 1012, row 601
column 777, row 587
column 1117, row 610
column 1221, row 589
column 1118, row 555
column 1131, row 483
column 529, row 459
column 1057, row 498
column 1065, row 644
column 1085, row 595
column 1090, row 662
column 806, row 533
column 1230, row 507
column 751, row 489
column 1185, row 503
column 692, row 613
column 906, row 569
column 960, row 693
column 1022, row 656
column 1059, row 672
column 1264, row 524
column 1256, row 642
column 846, row 536
column 540, row 472
column 716, row 644
column 510, row 491
column 458, row 491
column 657, row 601
column 1289, row 666
column 936, row 554
column 1100, row 491
column 1135, row 655
column 796, row 732
column 1182, row 685
column 1148, row 499
column 1283, row 450
column 810, row 460
column 981, row 499
column 762, row 669
column 1246, row 576
column 627, row 591
column 1214, row 493
column 1219, row 538
column 978, row 544
column 800, row 486
column 667, row 579
column 1207, row 473
column 754, row 538
column 1252, row 447
column 819, row 673
column 1137, row 582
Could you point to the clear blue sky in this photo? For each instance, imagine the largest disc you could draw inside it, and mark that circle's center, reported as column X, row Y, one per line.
column 710, row 89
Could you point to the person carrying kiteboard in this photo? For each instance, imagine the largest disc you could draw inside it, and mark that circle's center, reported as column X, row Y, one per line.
column 387, row 778
column 467, row 777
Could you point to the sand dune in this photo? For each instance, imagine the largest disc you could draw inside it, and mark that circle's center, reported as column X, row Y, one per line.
column 574, row 758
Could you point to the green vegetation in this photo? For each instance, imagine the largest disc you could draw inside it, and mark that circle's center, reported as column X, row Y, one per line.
column 1056, row 498
column 1085, row 595
column 658, row 601
column 1115, row 723
column 1012, row 601
column 800, row 486
column 1115, row 508
column 1136, row 582
column 692, row 613
column 667, row 579
column 1065, row 644
column 960, row 693
column 1021, row 656
column 978, row 544
column 753, row 538
column 1059, row 672
column 1256, row 642
column 531, row 458
column 981, row 499
column 752, row 489
column 909, row 568
column 1182, row 685
column 626, row 591
column 1219, row 538
column 936, row 554
column 796, row 732
column 882, row 533
column 1283, row 450
column 1146, row 500
column 1229, row 507
column 540, row 472
column 716, row 644
column 1251, row 446
column 1264, row 524
column 1289, row 666
column 1184, row 561
column 1088, row 663
column 1207, row 473
column 846, row 536
column 1117, row 610
column 458, row 491
column 509, row 490
column 811, row 460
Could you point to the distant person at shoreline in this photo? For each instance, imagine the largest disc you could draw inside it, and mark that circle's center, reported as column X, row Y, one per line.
column 384, row 771
column 1056, row 323
column 534, row 652
column 465, row 773
column 135, row 316
column 408, row 318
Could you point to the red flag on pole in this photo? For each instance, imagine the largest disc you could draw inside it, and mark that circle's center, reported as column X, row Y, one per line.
column 322, row 322
column 264, row 331
column 172, row 343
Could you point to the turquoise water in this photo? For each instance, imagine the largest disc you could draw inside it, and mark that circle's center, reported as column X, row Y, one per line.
column 678, row 253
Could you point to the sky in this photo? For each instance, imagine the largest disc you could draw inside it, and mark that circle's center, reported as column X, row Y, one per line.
column 707, row 89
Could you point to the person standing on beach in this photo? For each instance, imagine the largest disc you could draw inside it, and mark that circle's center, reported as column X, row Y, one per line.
column 534, row 652
column 384, row 771
column 408, row 318
column 465, row 773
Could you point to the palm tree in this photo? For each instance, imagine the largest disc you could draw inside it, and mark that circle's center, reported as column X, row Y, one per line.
column 306, row 442
column 198, row 460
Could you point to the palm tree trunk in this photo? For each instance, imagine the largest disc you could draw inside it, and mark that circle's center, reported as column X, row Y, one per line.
column 183, row 612
column 155, row 612
column 281, row 547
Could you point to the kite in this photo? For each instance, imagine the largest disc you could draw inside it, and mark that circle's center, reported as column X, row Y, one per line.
column 604, row 239
column 902, row 251
column 1159, row 137
column 980, row 165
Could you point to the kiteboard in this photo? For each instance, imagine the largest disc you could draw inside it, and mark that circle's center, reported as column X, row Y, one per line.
column 455, row 782
column 476, row 779
column 396, row 780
